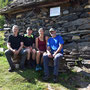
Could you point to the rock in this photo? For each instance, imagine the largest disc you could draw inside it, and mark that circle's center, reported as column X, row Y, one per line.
column 75, row 37
column 84, row 46
column 85, row 26
column 30, row 14
column 19, row 16
column 84, row 15
column 1, row 49
column 77, row 69
column 7, row 29
column 65, row 12
column 70, row 17
column 77, row 22
column 71, row 46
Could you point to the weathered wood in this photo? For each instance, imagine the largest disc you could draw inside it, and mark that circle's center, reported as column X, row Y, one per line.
column 53, row 4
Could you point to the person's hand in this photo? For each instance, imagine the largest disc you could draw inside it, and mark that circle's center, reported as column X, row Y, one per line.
column 27, row 47
column 30, row 48
column 54, row 54
column 41, row 51
column 16, row 52
column 50, row 55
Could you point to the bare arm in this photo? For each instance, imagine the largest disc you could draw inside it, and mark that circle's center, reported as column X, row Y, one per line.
column 48, row 50
column 46, row 38
column 37, row 44
column 22, row 44
column 58, row 50
column 49, row 53
column 9, row 47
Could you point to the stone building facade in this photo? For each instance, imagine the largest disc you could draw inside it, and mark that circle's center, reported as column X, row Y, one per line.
column 73, row 23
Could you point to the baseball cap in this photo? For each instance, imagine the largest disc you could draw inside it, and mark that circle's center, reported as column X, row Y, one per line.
column 51, row 29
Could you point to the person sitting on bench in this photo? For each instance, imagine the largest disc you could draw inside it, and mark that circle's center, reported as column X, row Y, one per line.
column 55, row 52
column 29, row 45
column 41, row 41
column 15, row 47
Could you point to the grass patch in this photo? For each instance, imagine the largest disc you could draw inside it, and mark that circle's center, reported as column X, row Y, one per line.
column 2, row 42
column 26, row 80
column 32, row 80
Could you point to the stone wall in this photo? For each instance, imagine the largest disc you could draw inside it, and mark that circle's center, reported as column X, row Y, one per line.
column 73, row 25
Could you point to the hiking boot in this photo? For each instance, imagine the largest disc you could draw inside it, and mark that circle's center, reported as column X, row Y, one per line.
column 11, row 69
column 55, row 79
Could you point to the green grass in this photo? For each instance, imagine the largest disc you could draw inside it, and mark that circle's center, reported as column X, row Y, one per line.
column 2, row 42
column 21, row 80
column 32, row 80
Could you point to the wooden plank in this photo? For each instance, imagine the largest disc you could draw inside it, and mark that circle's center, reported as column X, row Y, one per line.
column 53, row 3
column 19, row 11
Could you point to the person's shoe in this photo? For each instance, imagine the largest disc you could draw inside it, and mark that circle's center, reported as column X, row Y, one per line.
column 46, row 78
column 40, row 68
column 55, row 79
column 37, row 68
column 11, row 69
column 22, row 68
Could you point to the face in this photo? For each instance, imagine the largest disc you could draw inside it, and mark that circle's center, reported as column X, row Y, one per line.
column 29, row 32
column 41, row 32
column 15, row 30
column 53, row 33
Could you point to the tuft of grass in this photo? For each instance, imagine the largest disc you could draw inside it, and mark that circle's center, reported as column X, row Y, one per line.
column 2, row 42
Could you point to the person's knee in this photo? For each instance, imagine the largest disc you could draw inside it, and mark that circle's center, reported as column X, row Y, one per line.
column 58, row 56
column 38, row 53
column 45, row 56
column 24, row 52
column 28, row 51
column 34, row 51
column 7, row 52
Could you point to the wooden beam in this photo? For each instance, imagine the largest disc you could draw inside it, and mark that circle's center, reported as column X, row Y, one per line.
column 39, row 5
column 53, row 3
column 20, row 10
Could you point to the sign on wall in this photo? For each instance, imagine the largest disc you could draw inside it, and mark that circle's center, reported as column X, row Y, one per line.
column 54, row 11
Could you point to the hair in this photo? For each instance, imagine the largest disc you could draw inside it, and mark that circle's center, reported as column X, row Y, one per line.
column 40, row 29
column 15, row 26
column 29, row 28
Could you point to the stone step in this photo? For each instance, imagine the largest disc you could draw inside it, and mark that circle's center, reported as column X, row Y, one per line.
column 71, row 60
